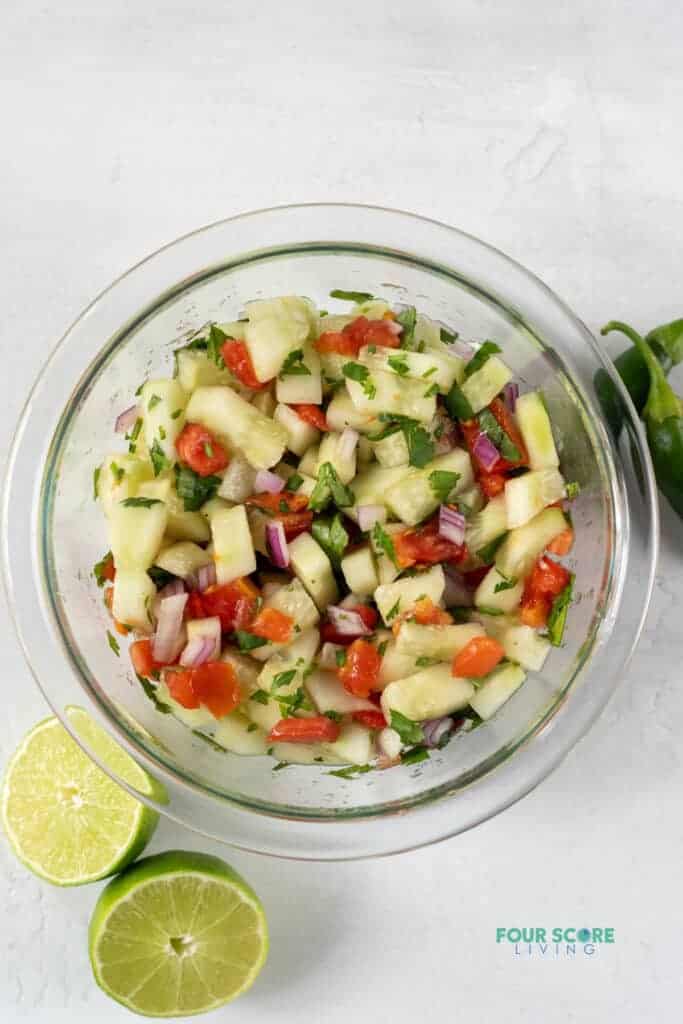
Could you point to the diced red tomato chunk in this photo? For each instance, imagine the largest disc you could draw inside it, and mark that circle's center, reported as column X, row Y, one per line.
column 199, row 449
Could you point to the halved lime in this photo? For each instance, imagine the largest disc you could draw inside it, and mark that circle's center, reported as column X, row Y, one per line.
column 177, row 934
column 65, row 819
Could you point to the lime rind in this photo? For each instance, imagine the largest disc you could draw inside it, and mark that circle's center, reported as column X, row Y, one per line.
column 177, row 934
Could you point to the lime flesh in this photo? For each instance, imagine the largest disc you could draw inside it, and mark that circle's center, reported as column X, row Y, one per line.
column 177, row 934
column 64, row 817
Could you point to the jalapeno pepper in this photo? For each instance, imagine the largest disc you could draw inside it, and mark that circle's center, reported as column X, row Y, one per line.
column 663, row 416
column 667, row 344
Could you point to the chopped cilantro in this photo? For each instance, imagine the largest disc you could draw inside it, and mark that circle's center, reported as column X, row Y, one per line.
column 429, row 372
column 159, row 577
column 329, row 487
column 361, row 374
column 117, row 472
column 487, row 553
column 442, row 482
column 351, row 771
column 381, row 648
column 507, row 583
column 481, row 356
column 340, row 657
column 114, row 644
column 420, row 444
column 140, row 502
column 158, row 458
column 216, row 339
column 282, row 764
column 283, row 679
column 383, row 542
column 100, row 567
column 176, row 414
column 409, row 731
column 334, row 716
column 425, row 662
column 433, row 389
column 195, row 490
column 294, row 482
column 210, row 741
column 415, row 755
column 486, row 610
column 332, row 537
column 407, row 318
column 393, row 611
column 447, row 336
column 399, row 365
column 139, row 390
column 289, row 705
column 458, row 405
column 154, row 400
column 283, row 506
column 248, row 641
column 499, row 437
column 252, row 727
column 557, row 619
column 573, row 490
column 151, row 693
column 260, row 696
column 96, row 480
column 162, row 433
column 294, row 365
column 350, row 296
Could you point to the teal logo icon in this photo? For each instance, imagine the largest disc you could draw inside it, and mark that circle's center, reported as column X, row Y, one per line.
column 584, row 935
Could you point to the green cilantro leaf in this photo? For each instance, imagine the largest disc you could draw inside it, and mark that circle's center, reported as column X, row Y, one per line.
column 100, row 567
column 114, row 644
column 407, row 318
column 216, row 339
column 350, row 296
column 557, row 619
column 294, row 482
column 140, row 502
column 433, row 389
column 442, row 482
column 282, row 764
column 332, row 537
column 409, row 731
column 294, row 365
column 420, row 444
column 352, row 771
column 492, row 428
column 329, row 487
column 195, row 490
column 340, row 657
column 415, row 755
column 394, row 610
column 482, row 355
column 260, row 696
column 486, row 610
column 487, row 553
column 458, row 405
column 399, row 365
column 382, row 541
column 334, row 716
column 176, row 414
column 154, row 400
column 96, row 480
column 151, row 693
column 507, row 583
column 283, row 679
column 117, row 472
column 425, row 662
column 249, row 641
column 252, row 727
column 573, row 490
column 158, row 458
column 448, row 336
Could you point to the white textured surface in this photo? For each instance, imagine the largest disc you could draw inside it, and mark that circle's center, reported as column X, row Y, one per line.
column 551, row 130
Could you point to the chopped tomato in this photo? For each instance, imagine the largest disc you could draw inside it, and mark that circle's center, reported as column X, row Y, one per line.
column 180, row 687
column 311, row 414
column 534, row 611
column 320, row 729
column 355, row 335
column 194, row 609
column 143, row 659
column 426, row 613
column 506, row 420
column 492, row 484
column 109, row 602
column 328, row 633
column 106, row 568
column 283, row 502
column 216, row 686
column 236, row 357
column 199, row 449
column 295, row 523
column 234, row 603
column 423, row 545
column 479, row 657
column 370, row 719
column 546, row 580
column 360, row 671
column 563, row 543
column 273, row 625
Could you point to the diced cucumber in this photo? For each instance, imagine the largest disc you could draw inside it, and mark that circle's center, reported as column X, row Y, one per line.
column 389, row 742
column 471, row 500
column 213, row 505
column 370, row 486
column 300, row 435
column 392, row 450
column 159, row 401
column 395, row 664
column 496, row 689
column 520, row 549
column 354, row 745
column 297, row 656
column 333, row 323
column 196, row 370
column 414, row 497
column 426, row 367
column 371, row 309
column 238, row 481
column 246, row 669
column 332, row 364
column 395, row 599
column 442, row 642
column 360, row 571
column 312, row 566
column 302, row 387
column 264, row 715
column 488, row 524
column 537, row 433
column 235, row 329
column 527, row 495
column 181, row 525
column 525, row 646
column 482, row 387
column 135, row 534
column 330, row 451
column 277, row 327
column 307, row 483
column 299, row 753
column 431, row 693
column 238, row 423
column 389, row 393
column 193, row 718
column 208, row 628
column 258, row 520
column 292, row 600
column 428, row 332
column 232, row 732
column 233, row 549
column 120, row 477
column 308, row 463
column 265, row 402
column 182, row 558
column 365, row 451
column 506, row 598
column 341, row 412
column 328, row 694
column 133, row 596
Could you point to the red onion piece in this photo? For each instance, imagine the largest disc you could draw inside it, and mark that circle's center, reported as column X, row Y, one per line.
column 328, row 655
column 456, row 594
column 169, row 635
column 368, row 515
column 351, row 601
column 451, row 524
column 198, row 650
column 347, row 442
column 176, row 586
column 486, row 452
column 268, row 483
column 447, row 431
column 347, row 622
column 436, row 729
column 126, row 419
column 460, row 349
column 510, row 395
column 277, row 544
column 206, row 576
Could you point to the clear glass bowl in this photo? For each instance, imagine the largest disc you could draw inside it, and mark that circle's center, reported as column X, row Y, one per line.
column 54, row 531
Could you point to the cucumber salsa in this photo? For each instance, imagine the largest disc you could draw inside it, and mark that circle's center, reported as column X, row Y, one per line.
column 335, row 538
